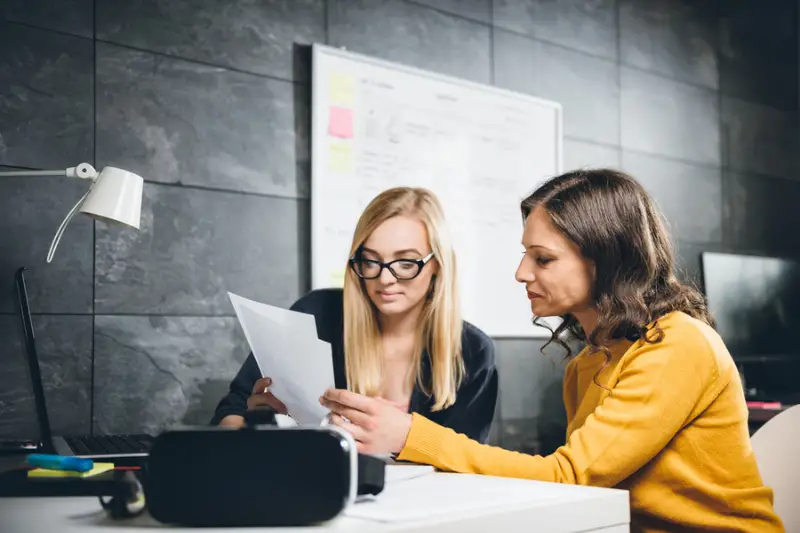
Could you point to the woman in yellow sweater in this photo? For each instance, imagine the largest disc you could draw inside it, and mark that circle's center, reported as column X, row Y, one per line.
column 654, row 402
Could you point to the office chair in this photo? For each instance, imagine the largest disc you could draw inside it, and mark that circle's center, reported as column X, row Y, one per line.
column 777, row 448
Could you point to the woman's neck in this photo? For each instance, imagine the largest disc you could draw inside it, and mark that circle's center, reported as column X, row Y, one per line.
column 401, row 325
column 587, row 319
column 399, row 340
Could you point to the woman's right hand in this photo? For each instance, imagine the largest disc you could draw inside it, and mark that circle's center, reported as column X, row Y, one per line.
column 262, row 397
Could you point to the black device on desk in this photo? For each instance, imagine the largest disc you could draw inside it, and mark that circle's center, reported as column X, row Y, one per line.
column 121, row 448
column 262, row 475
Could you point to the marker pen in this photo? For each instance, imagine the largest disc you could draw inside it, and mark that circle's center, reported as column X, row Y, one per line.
column 59, row 462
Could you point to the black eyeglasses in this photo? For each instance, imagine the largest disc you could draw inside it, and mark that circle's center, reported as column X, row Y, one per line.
column 402, row 269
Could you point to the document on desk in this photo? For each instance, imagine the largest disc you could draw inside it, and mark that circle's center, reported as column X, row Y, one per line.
column 287, row 349
column 396, row 473
column 442, row 495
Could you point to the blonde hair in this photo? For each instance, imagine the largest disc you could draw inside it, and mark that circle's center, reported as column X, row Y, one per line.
column 440, row 325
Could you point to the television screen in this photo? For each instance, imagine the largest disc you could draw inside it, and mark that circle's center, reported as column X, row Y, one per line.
column 756, row 304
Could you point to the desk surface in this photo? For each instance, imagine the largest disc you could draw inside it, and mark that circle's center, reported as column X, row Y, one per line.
column 551, row 507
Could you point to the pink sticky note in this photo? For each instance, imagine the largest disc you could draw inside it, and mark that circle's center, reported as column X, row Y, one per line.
column 341, row 122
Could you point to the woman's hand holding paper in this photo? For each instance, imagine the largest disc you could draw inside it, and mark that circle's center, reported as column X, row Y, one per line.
column 262, row 397
column 377, row 425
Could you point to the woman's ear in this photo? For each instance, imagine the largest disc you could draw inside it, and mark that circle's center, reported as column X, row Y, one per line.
column 435, row 266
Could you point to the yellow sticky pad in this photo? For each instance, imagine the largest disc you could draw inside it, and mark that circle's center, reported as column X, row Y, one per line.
column 99, row 468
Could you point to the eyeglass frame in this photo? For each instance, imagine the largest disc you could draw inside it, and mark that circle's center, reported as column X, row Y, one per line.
column 420, row 263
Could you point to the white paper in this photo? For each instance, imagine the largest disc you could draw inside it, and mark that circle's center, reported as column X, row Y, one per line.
column 443, row 495
column 287, row 349
column 402, row 472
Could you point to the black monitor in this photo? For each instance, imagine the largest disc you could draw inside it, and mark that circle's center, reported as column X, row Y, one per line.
column 756, row 304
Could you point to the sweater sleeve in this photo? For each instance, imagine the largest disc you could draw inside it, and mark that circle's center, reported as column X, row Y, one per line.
column 658, row 392
column 235, row 402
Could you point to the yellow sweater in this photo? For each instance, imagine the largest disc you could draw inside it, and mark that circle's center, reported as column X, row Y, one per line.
column 673, row 431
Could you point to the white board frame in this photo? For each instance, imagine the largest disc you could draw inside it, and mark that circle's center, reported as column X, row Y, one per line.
column 319, row 132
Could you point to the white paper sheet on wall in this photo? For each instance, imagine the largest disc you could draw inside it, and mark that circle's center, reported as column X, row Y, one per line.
column 287, row 349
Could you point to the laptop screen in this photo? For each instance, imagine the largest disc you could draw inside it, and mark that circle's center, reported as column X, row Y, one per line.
column 23, row 401
column 18, row 417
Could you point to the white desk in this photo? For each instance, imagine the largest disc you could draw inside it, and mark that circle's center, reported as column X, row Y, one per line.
column 515, row 505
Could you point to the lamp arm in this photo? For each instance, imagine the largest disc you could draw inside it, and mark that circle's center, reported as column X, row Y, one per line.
column 83, row 171
column 35, row 173
column 63, row 226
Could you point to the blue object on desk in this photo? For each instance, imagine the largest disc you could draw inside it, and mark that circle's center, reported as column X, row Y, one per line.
column 60, row 462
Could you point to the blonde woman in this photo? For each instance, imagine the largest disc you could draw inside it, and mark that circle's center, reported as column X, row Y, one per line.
column 395, row 329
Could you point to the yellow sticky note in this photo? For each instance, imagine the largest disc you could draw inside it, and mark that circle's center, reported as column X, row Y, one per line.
column 337, row 278
column 342, row 89
column 98, row 468
column 340, row 158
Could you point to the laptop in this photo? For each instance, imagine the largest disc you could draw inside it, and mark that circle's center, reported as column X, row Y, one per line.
column 101, row 447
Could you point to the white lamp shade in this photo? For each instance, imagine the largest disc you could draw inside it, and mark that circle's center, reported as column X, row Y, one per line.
column 115, row 196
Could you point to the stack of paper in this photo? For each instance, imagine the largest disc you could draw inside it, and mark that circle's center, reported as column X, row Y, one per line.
column 287, row 349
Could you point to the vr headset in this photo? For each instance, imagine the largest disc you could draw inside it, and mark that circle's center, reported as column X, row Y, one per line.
column 262, row 475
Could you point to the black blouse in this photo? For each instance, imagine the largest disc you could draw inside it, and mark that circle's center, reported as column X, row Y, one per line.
column 472, row 412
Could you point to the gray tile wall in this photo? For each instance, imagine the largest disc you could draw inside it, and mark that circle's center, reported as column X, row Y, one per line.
column 209, row 103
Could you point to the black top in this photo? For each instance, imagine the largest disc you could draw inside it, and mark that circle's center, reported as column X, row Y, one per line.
column 472, row 412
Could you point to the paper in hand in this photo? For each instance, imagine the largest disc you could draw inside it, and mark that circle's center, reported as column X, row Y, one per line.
column 287, row 349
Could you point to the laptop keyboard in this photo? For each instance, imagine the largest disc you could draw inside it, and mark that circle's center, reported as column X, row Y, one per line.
column 110, row 444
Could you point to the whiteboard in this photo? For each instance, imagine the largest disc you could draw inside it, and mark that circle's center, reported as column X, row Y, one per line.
column 480, row 149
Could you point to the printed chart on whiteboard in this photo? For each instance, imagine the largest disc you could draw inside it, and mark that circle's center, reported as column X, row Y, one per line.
column 480, row 149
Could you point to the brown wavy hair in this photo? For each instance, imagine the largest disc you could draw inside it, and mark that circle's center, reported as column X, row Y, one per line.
column 618, row 227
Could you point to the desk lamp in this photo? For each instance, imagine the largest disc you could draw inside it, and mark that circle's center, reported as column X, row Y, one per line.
column 115, row 196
